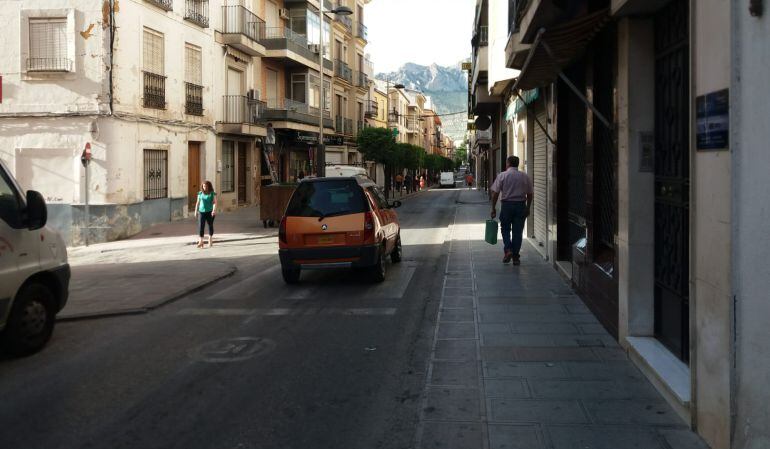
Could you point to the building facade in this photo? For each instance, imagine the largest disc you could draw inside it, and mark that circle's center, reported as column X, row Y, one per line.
column 167, row 93
column 639, row 123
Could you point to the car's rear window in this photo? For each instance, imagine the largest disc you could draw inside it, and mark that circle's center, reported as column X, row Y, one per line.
column 324, row 198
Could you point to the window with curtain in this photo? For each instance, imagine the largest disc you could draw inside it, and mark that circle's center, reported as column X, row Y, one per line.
column 152, row 52
column 48, row 44
column 193, row 64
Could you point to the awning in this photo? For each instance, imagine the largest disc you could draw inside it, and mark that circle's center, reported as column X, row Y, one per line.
column 566, row 43
column 518, row 105
column 556, row 48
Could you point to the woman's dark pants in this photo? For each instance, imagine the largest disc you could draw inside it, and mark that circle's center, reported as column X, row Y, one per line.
column 203, row 218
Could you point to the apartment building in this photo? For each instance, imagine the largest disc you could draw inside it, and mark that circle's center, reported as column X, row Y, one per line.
column 167, row 93
column 641, row 126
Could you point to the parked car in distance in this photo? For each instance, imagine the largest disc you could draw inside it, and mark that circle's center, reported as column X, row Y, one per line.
column 447, row 179
column 338, row 222
column 34, row 273
column 345, row 171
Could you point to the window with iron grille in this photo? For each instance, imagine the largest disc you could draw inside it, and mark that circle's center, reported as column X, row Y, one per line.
column 228, row 166
column 193, row 80
column 48, row 45
column 154, row 88
column 155, row 174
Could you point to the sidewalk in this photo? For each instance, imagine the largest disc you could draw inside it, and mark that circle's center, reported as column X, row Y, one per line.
column 159, row 264
column 519, row 362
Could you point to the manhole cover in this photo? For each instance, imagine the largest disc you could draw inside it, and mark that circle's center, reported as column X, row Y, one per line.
column 232, row 349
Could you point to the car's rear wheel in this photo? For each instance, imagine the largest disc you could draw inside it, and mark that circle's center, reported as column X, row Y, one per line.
column 395, row 255
column 31, row 321
column 290, row 274
column 377, row 271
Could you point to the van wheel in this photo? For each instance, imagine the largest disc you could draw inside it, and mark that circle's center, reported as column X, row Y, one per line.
column 377, row 271
column 395, row 255
column 290, row 275
column 31, row 321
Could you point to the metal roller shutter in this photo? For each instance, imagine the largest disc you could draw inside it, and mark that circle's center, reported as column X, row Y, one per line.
column 539, row 178
column 333, row 157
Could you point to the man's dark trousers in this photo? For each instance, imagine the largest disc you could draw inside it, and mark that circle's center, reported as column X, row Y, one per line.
column 512, row 218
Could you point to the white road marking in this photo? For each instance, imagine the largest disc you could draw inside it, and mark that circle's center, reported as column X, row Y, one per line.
column 249, row 284
column 396, row 282
column 380, row 311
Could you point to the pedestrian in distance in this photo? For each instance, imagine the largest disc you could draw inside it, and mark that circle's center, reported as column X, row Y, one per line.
column 515, row 191
column 422, row 182
column 399, row 182
column 205, row 211
column 301, row 175
column 408, row 183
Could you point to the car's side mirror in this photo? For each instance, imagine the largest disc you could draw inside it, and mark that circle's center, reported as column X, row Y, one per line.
column 37, row 212
column 394, row 205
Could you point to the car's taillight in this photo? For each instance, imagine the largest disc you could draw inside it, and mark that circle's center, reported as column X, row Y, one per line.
column 282, row 230
column 368, row 226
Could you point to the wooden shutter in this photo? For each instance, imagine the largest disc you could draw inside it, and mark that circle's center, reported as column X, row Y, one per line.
column 193, row 62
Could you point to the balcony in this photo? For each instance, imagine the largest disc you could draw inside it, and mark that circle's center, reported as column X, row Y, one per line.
column 154, row 91
column 242, row 115
column 197, row 12
column 413, row 125
column 283, row 43
column 242, row 29
column 49, row 65
column 360, row 80
column 361, row 31
column 341, row 70
column 288, row 110
column 360, row 125
column 372, row 109
column 166, row 5
column 193, row 99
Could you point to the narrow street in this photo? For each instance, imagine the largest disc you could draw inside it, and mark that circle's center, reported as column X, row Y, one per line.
column 247, row 362
column 454, row 350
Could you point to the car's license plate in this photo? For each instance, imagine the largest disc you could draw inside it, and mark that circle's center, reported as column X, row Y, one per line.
column 326, row 239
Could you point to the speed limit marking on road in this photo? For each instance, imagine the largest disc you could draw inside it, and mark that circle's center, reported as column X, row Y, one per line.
column 232, row 349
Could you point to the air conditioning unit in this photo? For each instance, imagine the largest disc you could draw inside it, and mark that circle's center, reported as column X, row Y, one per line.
column 252, row 94
column 283, row 13
column 315, row 48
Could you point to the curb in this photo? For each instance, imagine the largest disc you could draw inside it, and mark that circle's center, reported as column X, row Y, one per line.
column 151, row 306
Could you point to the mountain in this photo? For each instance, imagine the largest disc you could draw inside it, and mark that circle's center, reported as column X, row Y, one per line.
column 447, row 86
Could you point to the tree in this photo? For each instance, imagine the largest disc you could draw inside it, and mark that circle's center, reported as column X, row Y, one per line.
column 376, row 144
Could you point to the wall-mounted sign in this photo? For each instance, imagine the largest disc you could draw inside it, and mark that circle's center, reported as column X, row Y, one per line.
column 713, row 121
column 646, row 151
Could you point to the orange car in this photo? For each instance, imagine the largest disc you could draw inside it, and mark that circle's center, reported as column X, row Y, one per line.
column 338, row 222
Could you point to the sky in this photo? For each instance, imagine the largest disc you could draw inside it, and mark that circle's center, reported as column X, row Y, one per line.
column 419, row 31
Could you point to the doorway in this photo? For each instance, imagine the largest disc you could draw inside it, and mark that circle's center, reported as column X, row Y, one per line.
column 193, row 173
column 241, row 166
column 672, row 178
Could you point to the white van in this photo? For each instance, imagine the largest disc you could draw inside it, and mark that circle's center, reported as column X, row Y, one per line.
column 344, row 171
column 34, row 273
column 447, row 179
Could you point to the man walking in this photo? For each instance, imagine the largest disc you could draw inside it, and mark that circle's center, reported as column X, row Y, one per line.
column 514, row 190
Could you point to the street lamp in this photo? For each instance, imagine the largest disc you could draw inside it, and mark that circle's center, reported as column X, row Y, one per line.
column 321, row 156
column 397, row 86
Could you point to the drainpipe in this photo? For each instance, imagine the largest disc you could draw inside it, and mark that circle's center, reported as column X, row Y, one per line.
column 112, row 47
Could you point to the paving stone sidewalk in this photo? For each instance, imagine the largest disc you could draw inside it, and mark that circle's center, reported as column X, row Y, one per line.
column 519, row 362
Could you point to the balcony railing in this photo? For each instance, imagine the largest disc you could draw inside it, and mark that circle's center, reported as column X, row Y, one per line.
column 341, row 70
column 239, row 20
column 361, row 31
column 197, row 11
column 193, row 104
column 372, row 109
column 360, row 79
column 359, row 127
column 295, row 111
column 343, row 125
column 167, row 5
column 413, row 125
column 49, row 65
column 154, row 91
column 242, row 109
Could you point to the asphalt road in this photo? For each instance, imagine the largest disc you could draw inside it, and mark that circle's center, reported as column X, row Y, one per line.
column 335, row 362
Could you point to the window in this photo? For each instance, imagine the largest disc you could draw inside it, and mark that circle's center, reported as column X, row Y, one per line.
column 326, row 198
column 193, row 80
column 155, row 174
column 299, row 87
column 228, row 166
column 154, row 88
column 10, row 204
column 48, row 45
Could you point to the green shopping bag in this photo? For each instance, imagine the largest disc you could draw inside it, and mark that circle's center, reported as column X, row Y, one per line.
column 490, row 234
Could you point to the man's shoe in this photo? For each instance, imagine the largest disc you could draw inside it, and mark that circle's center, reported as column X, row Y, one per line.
column 516, row 260
column 508, row 257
